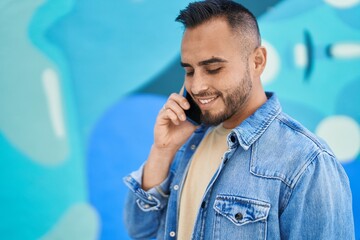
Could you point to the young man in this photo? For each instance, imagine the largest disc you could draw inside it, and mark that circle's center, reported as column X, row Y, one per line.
column 249, row 171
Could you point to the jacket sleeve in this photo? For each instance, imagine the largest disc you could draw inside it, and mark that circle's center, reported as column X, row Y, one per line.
column 144, row 209
column 320, row 204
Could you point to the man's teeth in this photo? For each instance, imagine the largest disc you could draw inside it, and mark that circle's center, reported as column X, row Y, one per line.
column 206, row 101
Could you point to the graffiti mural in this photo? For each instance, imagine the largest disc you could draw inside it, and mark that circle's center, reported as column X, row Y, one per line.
column 81, row 83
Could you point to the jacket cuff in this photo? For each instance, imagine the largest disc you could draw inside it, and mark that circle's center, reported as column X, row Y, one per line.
column 152, row 199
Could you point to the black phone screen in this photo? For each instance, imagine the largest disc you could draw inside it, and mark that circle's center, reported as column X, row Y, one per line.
column 193, row 113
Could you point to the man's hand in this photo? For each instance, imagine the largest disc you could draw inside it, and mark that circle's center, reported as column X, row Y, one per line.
column 171, row 128
column 170, row 132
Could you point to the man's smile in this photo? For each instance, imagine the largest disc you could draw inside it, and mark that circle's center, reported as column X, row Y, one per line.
column 207, row 100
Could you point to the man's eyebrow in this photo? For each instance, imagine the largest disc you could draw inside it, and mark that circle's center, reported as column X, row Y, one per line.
column 205, row 62
column 185, row 64
column 211, row 60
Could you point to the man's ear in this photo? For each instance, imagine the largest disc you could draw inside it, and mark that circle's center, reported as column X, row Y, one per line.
column 259, row 60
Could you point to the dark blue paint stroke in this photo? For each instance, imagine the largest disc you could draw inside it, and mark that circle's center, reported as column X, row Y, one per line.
column 118, row 145
column 352, row 169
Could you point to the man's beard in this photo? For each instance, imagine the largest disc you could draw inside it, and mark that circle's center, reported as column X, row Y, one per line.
column 234, row 100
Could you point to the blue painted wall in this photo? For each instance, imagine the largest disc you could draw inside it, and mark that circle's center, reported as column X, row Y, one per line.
column 81, row 83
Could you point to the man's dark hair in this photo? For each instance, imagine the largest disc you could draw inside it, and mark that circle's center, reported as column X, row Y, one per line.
column 239, row 18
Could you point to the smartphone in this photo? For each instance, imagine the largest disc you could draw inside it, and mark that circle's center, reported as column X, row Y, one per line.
column 193, row 113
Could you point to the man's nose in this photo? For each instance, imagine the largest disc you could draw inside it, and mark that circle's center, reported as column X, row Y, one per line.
column 199, row 84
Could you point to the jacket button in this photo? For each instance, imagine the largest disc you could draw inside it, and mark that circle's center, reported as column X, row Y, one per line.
column 172, row 234
column 238, row 216
column 176, row 187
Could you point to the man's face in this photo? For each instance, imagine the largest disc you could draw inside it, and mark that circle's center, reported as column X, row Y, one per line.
column 217, row 72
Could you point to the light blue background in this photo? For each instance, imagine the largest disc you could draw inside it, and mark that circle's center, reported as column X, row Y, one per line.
column 81, row 83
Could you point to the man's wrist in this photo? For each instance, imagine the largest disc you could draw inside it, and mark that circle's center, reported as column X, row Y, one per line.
column 157, row 167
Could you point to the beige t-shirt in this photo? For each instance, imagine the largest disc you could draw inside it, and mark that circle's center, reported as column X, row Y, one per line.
column 203, row 166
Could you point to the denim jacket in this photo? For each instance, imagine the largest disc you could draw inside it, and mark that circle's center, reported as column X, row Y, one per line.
column 276, row 181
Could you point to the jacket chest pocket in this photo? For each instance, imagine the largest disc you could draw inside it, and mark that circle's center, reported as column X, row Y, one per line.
column 240, row 218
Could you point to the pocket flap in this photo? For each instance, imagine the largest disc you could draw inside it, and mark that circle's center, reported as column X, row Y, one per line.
column 241, row 210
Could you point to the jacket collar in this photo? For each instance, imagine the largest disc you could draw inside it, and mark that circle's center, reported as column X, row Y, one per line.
column 255, row 125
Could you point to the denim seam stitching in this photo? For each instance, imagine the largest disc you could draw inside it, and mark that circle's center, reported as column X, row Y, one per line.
column 304, row 133
column 299, row 177
column 252, row 166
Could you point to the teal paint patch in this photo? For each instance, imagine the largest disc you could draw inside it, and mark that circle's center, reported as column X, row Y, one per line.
column 25, row 107
column 114, row 48
column 80, row 222
column 33, row 197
